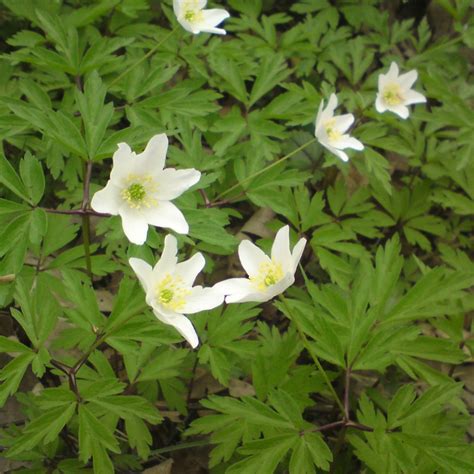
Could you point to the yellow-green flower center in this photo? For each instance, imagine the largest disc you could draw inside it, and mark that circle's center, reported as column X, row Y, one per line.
column 392, row 94
column 331, row 131
column 192, row 12
column 189, row 15
column 138, row 191
column 269, row 274
column 166, row 295
column 171, row 293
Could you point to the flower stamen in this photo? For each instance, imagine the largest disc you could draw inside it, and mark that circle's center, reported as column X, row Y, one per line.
column 189, row 15
column 192, row 12
column 171, row 293
column 138, row 192
column 331, row 131
column 392, row 94
column 269, row 274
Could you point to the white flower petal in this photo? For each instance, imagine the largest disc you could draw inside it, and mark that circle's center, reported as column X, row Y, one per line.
column 123, row 162
column 235, row 286
column 346, row 141
column 152, row 159
column 327, row 113
column 382, row 81
column 210, row 19
column 257, row 297
column 188, row 26
column 318, row 122
column 134, row 225
column 332, row 104
column 408, row 79
column 189, row 269
column 168, row 260
column 251, row 257
column 393, row 72
column 177, row 6
column 401, row 110
column 281, row 248
column 166, row 214
column 343, row 122
column 182, row 324
column 279, row 287
column 379, row 104
column 414, row 97
column 143, row 271
column 172, row 183
column 202, row 299
column 107, row 200
column 339, row 153
column 297, row 253
column 216, row 31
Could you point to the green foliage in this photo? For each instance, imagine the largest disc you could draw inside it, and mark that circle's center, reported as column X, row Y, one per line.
column 380, row 315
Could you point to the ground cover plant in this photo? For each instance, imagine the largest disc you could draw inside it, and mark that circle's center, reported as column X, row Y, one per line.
column 236, row 237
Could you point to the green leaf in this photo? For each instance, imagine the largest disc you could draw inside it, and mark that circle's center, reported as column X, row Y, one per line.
column 36, row 94
column 430, row 402
column 95, row 114
column 231, row 75
column 388, row 266
column 12, row 374
column 10, row 345
column 129, row 406
column 430, row 290
column 166, row 365
column 13, row 232
column 38, row 225
column 44, row 429
column 310, row 451
column 92, row 433
column 66, row 132
column 399, row 404
column 127, row 302
column 31, row 173
column 378, row 168
column 273, row 70
column 85, row 313
column 10, row 179
column 249, row 409
column 39, row 312
column 219, row 362
column 433, row 348
column 138, row 435
column 266, row 454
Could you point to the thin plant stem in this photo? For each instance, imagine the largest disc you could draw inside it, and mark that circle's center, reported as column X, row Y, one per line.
column 313, row 355
column 143, row 58
column 347, row 393
column 340, row 424
column 75, row 212
column 86, row 225
column 86, row 229
column 265, row 169
column 71, row 371
column 177, row 447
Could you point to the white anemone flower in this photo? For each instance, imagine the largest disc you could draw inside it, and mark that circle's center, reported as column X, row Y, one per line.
column 268, row 276
column 395, row 92
column 330, row 130
column 192, row 16
column 170, row 292
column 140, row 190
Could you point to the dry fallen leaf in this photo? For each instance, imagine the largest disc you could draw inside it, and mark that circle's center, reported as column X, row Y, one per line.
column 162, row 468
